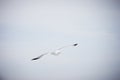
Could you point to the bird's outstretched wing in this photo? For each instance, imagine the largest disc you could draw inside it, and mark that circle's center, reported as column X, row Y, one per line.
column 58, row 51
column 67, row 46
column 36, row 58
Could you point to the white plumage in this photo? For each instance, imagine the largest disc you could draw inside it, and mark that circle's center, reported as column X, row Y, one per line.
column 56, row 52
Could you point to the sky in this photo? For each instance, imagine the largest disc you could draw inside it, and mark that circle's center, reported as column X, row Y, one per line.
column 29, row 28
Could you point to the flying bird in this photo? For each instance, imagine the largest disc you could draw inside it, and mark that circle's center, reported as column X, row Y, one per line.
column 55, row 52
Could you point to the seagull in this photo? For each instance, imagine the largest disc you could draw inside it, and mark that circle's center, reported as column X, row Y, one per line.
column 55, row 52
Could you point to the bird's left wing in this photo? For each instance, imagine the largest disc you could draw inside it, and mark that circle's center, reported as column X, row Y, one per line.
column 36, row 58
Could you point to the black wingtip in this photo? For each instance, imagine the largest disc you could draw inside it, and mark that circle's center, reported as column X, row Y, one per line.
column 34, row 59
column 75, row 44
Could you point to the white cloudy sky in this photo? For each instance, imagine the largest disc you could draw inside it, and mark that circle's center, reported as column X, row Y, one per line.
column 32, row 27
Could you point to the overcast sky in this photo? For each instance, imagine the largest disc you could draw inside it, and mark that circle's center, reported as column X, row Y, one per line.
column 29, row 28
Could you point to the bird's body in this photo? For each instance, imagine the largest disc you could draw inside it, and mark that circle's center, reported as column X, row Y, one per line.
column 56, row 52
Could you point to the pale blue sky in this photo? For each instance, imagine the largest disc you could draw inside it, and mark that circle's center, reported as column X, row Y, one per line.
column 30, row 28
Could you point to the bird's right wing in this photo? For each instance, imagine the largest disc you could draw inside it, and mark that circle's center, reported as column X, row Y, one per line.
column 58, row 51
column 67, row 46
